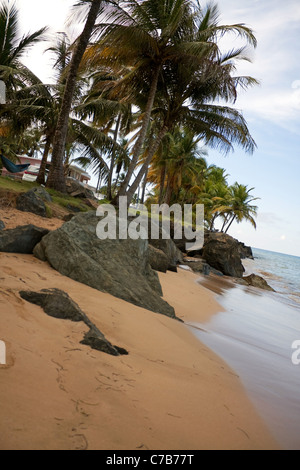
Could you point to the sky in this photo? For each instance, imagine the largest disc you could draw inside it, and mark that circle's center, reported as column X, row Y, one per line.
column 272, row 110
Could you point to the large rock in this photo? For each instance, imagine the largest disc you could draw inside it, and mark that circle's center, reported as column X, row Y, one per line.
column 58, row 304
column 77, row 189
column 2, row 225
column 198, row 265
column 32, row 202
column 163, row 243
column 41, row 193
column 158, row 260
column 257, row 281
column 21, row 239
column 118, row 267
column 245, row 251
column 221, row 251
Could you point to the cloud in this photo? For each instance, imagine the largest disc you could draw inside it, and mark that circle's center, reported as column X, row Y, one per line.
column 269, row 218
column 276, row 26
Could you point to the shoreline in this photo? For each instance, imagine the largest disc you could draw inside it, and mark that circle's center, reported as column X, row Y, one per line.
column 171, row 392
column 254, row 334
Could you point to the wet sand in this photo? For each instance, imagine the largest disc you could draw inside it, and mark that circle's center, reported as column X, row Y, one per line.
column 170, row 393
column 254, row 334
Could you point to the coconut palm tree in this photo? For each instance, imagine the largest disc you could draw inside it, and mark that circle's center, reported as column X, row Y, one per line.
column 239, row 206
column 15, row 75
column 173, row 58
column 56, row 179
column 13, row 48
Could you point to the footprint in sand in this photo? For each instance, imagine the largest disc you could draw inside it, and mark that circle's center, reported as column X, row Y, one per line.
column 79, row 442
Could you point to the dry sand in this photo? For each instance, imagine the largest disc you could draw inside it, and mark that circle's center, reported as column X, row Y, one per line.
column 13, row 218
column 170, row 392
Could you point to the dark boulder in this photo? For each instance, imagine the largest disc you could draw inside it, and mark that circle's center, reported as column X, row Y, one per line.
column 77, row 189
column 2, row 225
column 58, row 304
column 257, row 281
column 118, row 267
column 198, row 265
column 21, row 239
column 41, row 193
column 245, row 251
column 165, row 244
column 158, row 260
column 221, row 251
column 31, row 202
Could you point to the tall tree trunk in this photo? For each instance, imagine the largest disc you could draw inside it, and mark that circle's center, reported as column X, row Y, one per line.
column 113, row 158
column 56, row 178
column 213, row 221
column 233, row 218
column 41, row 179
column 225, row 222
column 144, row 186
column 152, row 151
column 143, row 132
column 163, row 175
column 169, row 190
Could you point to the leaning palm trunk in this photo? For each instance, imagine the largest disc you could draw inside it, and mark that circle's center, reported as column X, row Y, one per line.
column 144, row 186
column 232, row 220
column 163, row 175
column 56, row 178
column 41, row 179
column 142, row 137
column 152, row 151
column 113, row 159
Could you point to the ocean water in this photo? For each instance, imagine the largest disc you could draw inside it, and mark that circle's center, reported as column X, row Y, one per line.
column 282, row 272
column 254, row 335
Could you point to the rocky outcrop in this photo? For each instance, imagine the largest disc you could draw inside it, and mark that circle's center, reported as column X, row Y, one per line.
column 76, row 189
column 158, row 260
column 198, row 265
column 58, row 304
column 118, row 267
column 33, row 201
column 245, row 251
column 257, row 281
column 167, row 246
column 2, row 225
column 21, row 239
column 221, row 251
column 41, row 193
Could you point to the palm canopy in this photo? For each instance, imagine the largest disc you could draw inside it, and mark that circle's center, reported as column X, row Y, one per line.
column 167, row 51
column 238, row 206
column 12, row 45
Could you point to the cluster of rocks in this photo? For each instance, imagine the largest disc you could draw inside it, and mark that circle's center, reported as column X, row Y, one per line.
column 123, row 268
column 34, row 201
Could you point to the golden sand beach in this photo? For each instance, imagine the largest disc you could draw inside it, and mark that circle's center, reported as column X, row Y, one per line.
column 171, row 392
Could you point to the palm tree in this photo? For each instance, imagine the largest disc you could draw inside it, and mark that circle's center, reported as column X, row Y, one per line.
column 171, row 51
column 239, row 207
column 145, row 36
column 13, row 48
column 56, row 179
column 15, row 75
column 181, row 164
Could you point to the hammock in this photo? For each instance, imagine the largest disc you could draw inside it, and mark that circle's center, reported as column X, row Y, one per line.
column 12, row 168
